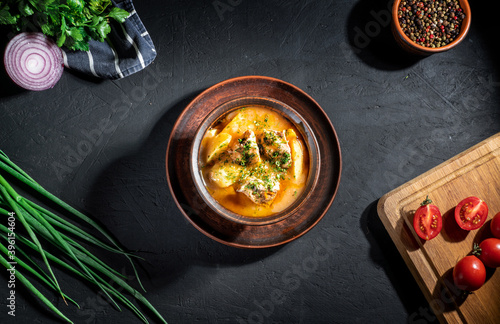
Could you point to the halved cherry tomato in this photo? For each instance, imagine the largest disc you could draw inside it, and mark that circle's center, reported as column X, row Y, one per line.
column 495, row 226
column 427, row 221
column 489, row 252
column 469, row 273
column 471, row 213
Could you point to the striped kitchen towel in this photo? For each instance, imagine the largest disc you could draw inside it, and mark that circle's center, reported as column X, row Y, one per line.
column 131, row 51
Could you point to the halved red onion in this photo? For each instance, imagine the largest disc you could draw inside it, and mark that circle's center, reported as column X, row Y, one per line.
column 33, row 61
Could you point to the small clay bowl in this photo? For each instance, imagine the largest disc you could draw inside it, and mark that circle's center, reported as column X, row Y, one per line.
column 291, row 115
column 410, row 46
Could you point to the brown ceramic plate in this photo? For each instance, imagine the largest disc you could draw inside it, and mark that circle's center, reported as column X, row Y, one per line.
column 221, row 229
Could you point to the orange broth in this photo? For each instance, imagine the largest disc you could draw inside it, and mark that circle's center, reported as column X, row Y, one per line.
column 256, row 119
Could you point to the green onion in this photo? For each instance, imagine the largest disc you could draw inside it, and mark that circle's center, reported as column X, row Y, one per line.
column 35, row 291
column 46, row 230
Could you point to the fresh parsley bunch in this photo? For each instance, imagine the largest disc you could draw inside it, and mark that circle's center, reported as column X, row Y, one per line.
column 71, row 23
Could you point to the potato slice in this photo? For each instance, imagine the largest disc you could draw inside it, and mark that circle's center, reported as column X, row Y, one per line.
column 217, row 145
column 224, row 174
column 211, row 133
column 290, row 134
column 297, row 155
column 233, row 127
column 244, row 120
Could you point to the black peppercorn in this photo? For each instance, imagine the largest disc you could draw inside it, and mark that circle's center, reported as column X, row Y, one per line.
column 431, row 23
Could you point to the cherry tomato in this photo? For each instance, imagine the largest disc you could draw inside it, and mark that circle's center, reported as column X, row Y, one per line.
column 495, row 226
column 469, row 273
column 427, row 221
column 471, row 213
column 489, row 252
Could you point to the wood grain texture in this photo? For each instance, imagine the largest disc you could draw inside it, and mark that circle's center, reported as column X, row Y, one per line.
column 475, row 172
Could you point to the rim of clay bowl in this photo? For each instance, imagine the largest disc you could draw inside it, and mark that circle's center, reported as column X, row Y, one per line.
column 286, row 111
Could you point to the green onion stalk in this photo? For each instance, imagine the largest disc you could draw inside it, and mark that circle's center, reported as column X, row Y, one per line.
column 45, row 231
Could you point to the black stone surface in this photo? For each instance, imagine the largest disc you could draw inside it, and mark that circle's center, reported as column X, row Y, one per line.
column 100, row 145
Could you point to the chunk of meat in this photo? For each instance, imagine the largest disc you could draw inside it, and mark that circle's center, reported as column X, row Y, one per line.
column 259, row 191
column 275, row 146
column 245, row 150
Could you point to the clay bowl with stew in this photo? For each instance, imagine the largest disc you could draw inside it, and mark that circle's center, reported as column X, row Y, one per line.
column 239, row 208
column 205, row 118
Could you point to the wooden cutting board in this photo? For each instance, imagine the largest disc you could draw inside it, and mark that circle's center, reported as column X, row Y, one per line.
column 475, row 172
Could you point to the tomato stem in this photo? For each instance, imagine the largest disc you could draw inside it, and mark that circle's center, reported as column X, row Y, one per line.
column 427, row 201
column 477, row 250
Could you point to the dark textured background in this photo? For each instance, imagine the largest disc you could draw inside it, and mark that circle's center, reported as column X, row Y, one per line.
column 100, row 145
